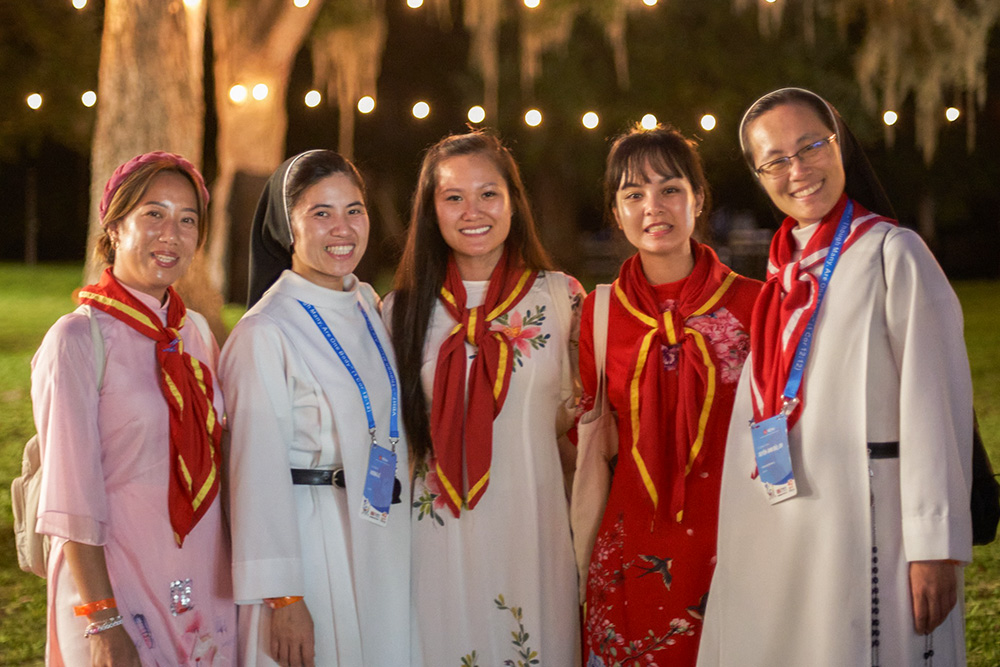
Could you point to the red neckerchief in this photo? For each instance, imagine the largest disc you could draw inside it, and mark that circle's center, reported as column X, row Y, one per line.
column 665, row 441
column 786, row 303
column 186, row 383
column 454, row 421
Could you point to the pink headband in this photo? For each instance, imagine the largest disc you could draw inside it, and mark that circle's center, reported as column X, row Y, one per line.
column 125, row 170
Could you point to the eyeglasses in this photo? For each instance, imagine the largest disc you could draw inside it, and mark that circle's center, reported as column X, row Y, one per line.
column 806, row 155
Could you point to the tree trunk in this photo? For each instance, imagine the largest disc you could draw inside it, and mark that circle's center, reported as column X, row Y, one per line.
column 150, row 97
column 254, row 42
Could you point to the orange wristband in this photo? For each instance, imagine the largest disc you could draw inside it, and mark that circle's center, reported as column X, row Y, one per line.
column 278, row 603
column 91, row 607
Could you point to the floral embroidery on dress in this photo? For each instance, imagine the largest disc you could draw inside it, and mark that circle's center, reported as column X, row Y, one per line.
column 431, row 499
column 523, row 331
column 203, row 651
column 525, row 656
column 729, row 341
column 602, row 580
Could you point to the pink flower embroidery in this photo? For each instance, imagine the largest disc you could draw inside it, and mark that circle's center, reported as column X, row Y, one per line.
column 730, row 342
column 519, row 335
column 433, row 483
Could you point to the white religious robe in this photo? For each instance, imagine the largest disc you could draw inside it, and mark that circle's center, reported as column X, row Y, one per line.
column 293, row 404
column 795, row 582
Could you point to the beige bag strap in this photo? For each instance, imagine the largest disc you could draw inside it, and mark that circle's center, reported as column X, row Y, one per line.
column 602, row 307
column 100, row 360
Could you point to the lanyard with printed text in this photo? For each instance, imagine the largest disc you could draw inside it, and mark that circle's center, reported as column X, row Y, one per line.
column 394, row 411
column 805, row 343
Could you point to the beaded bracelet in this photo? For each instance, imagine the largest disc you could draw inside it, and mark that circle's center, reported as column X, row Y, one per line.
column 278, row 603
column 93, row 607
column 97, row 628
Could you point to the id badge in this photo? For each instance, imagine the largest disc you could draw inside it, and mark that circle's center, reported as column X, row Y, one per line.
column 774, row 460
column 379, row 481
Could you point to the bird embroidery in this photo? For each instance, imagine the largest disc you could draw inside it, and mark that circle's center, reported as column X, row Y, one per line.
column 659, row 565
column 698, row 611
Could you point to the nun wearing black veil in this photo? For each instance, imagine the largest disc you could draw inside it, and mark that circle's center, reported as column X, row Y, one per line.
column 317, row 462
column 844, row 515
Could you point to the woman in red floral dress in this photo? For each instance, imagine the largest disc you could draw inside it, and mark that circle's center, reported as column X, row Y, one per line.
column 677, row 339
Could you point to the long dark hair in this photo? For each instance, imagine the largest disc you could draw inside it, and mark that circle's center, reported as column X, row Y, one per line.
column 668, row 153
column 421, row 270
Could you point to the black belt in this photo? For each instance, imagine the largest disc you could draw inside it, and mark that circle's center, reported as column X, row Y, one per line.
column 335, row 477
column 317, row 477
column 883, row 450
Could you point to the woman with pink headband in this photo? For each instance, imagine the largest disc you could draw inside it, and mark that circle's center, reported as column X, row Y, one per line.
column 129, row 419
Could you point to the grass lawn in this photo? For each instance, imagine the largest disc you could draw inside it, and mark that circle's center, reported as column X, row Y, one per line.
column 32, row 299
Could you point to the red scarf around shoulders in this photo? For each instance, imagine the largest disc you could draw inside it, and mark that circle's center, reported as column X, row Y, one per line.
column 665, row 441
column 186, row 383
column 458, row 425
column 788, row 300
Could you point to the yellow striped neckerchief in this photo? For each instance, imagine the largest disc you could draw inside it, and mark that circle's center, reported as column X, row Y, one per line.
column 186, row 383
column 712, row 280
column 462, row 423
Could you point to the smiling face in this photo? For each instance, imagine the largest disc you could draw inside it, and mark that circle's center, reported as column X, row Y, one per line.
column 472, row 203
column 156, row 241
column 329, row 231
column 657, row 212
column 807, row 192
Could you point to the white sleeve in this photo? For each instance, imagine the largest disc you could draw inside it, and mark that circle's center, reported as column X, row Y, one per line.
column 253, row 368
column 925, row 326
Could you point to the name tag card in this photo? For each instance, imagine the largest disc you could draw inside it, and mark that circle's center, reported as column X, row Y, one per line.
column 774, row 460
column 378, row 485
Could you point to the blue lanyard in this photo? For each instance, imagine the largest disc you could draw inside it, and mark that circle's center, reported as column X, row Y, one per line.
column 805, row 343
column 394, row 412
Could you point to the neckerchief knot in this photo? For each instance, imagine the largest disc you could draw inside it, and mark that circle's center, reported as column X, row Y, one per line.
column 667, row 425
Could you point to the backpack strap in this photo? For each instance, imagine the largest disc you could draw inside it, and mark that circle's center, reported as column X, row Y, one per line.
column 100, row 360
column 201, row 324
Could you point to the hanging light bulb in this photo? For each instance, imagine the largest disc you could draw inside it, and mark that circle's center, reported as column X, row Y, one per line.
column 366, row 104
column 590, row 120
column 89, row 98
column 313, row 98
column 477, row 114
column 421, row 110
column 238, row 94
column 648, row 122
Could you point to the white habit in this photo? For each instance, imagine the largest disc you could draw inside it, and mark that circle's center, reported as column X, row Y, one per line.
column 293, row 404
column 794, row 583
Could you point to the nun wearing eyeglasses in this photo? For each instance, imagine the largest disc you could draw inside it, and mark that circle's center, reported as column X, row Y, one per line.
column 844, row 515
column 318, row 463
